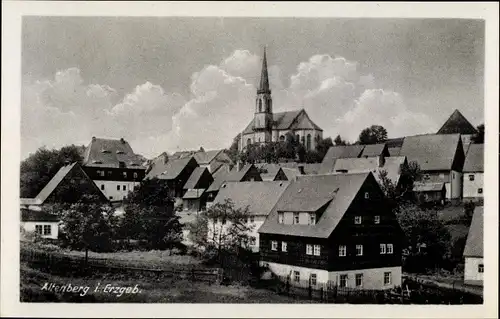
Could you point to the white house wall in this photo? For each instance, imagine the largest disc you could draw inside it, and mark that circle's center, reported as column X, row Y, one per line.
column 258, row 221
column 110, row 189
column 471, row 273
column 54, row 229
column 471, row 188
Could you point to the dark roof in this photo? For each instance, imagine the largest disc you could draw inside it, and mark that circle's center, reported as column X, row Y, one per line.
column 268, row 172
column 392, row 165
column 202, row 157
column 285, row 120
column 28, row 215
column 373, row 150
column 474, row 243
column 431, row 151
column 259, row 197
column 340, row 151
column 474, row 160
column 193, row 193
column 169, row 170
column 195, row 177
column 428, row 186
column 264, row 78
column 228, row 176
column 109, row 153
column 310, row 192
column 457, row 123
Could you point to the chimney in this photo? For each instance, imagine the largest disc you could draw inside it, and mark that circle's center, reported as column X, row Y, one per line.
column 122, row 140
column 93, row 138
column 301, row 169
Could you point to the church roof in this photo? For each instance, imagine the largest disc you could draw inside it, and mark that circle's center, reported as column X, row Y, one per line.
column 288, row 120
column 457, row 123
column 264, row 78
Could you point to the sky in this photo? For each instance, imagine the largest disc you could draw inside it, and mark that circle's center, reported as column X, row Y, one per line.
column 178, row 83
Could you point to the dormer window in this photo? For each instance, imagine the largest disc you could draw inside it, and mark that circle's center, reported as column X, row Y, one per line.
column 120, row 152
column 104, row 151
column 121, row 164
column 357, row 220
column 312, row 219
column 281, row 218
column 96, row 162
column 296, row 219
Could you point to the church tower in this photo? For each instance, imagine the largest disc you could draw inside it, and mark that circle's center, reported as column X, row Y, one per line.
column 263, row 119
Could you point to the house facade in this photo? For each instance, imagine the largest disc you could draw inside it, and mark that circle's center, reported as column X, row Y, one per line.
column 267, row 126
column 474, row 173
column 473, row 251
column 258, row 197
column 113, row 166
column 195, row 198
column 174, row 172
column 42, row 223
column 335, row 228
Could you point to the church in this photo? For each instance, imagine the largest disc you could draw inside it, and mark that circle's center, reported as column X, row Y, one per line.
column 267, row 126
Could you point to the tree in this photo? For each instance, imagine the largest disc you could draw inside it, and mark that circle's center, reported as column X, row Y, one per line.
column 301, row 153
column 339, row 141
column 424, row 227
column 323, row 146
column 373, row 135
column 232, row 230
column 39, row 168
column 478, row 138
column 88, row 225
column 234, row 149
column 402, row 192
column 198, row 231
column 150, row 216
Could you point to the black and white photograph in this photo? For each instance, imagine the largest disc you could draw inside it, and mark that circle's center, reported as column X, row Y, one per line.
column 247, row 159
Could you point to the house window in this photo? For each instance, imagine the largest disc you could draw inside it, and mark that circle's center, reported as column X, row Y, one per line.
column 283, row 246
column 390, row 248
column 312, row 219
column 102, row 187
column 296, row 218
column 309, row 249
column 359, row 250
column 317, row 250
column 281, row 218
column 359, row 280
column 377, row 219
column 110, row 173
column 274, row 245
column 47, row 230
column 124, row 187
column 252, row 219
column 387, row 278
column 382, row 249
column 124, row 174
column 357, row 220
column 441, row 176
column 367, row 195
column 249, row 141
column 39, row 229
column 471, row 177
column 135, row 175
column 343, row 281
column 480, row 268
column 314, row 279
column 296, row 276
column 308, row 143
column 252, row 241
column 479, row 190
column 297, row 138
column 117, row 187
column 342, row 250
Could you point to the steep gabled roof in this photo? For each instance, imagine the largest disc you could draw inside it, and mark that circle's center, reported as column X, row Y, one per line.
column 474, row 160
column 232, row 176
column 474, row 243
column 392, row 165
column 169, row 170
column 291, row 173
column 259, row 197
column 195, row 177
column 340, row 151
column 28, row 215
column 373, row 150
column 109, row 153
column 431, row 151
column 310, row 192
column 268, row 171
column 285, row 121
column 457, row 123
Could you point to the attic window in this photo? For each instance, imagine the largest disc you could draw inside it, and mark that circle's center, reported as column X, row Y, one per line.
column 96, row 162
column 224, row 186
column 104, row 151
column 120, row 152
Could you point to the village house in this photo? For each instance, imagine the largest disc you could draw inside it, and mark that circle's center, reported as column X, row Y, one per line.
column 212, row 160
column 267, row 126
column 441, row 159
column 271, row 172
column 433, row 193
column 113, row 166
column 473, row 251
column 195, row 198
column 68, row 185
column 458, row 124
column 259, row 198
column 247, row 173
column 335, row 228
column 474, row 173
column 174, row 172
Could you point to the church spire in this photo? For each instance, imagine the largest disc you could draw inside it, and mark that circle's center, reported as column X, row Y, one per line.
column 264, row 79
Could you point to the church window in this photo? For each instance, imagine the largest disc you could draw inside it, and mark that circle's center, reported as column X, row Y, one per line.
column 297, row 138
column 308, row 142
column 249, row 141
column 260, row 105
column 303, row 140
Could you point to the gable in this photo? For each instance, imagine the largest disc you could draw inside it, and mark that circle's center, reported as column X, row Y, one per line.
column 457, row 124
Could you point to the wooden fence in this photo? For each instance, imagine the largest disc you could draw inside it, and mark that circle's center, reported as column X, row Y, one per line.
column 78, row 265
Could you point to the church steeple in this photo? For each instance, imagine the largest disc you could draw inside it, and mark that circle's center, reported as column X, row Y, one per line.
column 264, row 78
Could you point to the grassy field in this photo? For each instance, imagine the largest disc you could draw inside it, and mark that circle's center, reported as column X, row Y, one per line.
column 150, row 290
